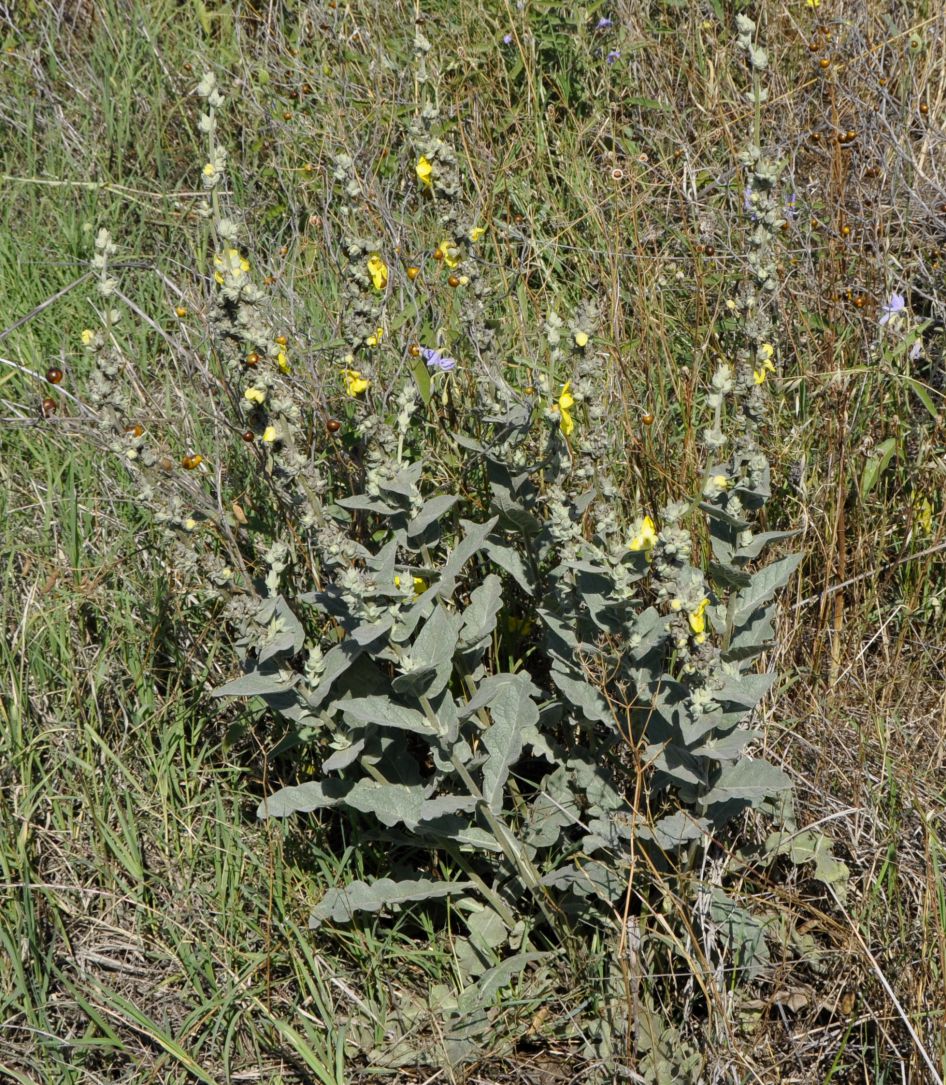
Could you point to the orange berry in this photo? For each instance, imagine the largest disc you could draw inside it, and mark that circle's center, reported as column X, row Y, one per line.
column 454, row 280
column 333, row 425
column 54, row 375
column 249, row 436
column 181, row 311
column 281, row 340
column 49, row 407
column 252, row 359
column 648, row 419
column 824, row 62
column 438, row 254
column 414, row 350
column 413, row 272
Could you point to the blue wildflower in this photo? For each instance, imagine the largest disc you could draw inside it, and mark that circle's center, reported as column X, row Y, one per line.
column 614, row 55
column 893, row 308
column 604, row 23
column 436, row 360
column 507, row 39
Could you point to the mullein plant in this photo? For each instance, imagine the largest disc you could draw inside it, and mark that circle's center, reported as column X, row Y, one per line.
column 484, row 631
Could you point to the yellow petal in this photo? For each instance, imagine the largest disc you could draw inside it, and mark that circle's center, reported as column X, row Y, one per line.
column 698, row 619
column 254, row 395
column 567, row 423
column 425, row 171
column 87, row 336
column 477, row 232
column 378, row 270
column 355, row 383
column 269, row 434
column 581, row 339
column 210, row 169
column 451, row 254
column 283, row 362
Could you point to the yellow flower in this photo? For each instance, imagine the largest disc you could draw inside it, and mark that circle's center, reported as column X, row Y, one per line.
column 581, row 339
column 374, row 340
column 283, row 362
column 759, row 375
column 562, row 407
column 210, row 169
column 269, row 434
column 645, row 536
column 698, row 618
column 87, row 336
column 378, row 270
column 254, row 395
column 813, row 3
column 477, row 232
column 230, row 263
column 419, row 584
column 189, row 524
column 425, row 171
column 451, row 254
column 721, row 482
column 355, row 383
column 766, row 352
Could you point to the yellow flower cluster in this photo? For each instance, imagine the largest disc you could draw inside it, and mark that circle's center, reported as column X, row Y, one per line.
column 378, row 270
column 355, row 383
column 562, row 407
column 230, row 263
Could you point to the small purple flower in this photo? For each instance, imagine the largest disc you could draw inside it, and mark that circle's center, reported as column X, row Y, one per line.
column 893, row 308
column 916, row 350
column 507, row 39
column 790, row 211
column 604, row 23
column 614, row 55
column 436, row 360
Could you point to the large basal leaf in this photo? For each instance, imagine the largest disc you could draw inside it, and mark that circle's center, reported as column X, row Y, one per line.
column 384, row 712
column 747, row 781
column 257, row 683
column 512, row 709
column 340, row 905
column 675, row 830
column 302, row 798
column 391, row 804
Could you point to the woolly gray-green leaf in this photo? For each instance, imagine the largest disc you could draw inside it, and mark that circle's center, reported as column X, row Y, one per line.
column 510, row 560
column 479, row 618
column 302, row 798
column 391, row 804
column 511, row 709
column 765, row 583
column 340, row 905
column 748, row 781
column 430, row 513
column 380, row 710
column 675, row 830
column 256, row 683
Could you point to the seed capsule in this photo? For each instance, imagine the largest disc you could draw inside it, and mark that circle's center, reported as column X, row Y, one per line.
column 252, row 359
column 54, row 375
column 413, row 272
column 281, row 340
column 648, row 419
column 709, row 250
column 438, row 254
column 454, row 280
column 859, row 302
column 414, row 350
column 190, row 462
column 333, row 425
column 49, row 407
column 181, row 312
column 823, row 63
column 134, row 431
column 924, row 108
column 249, row 436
